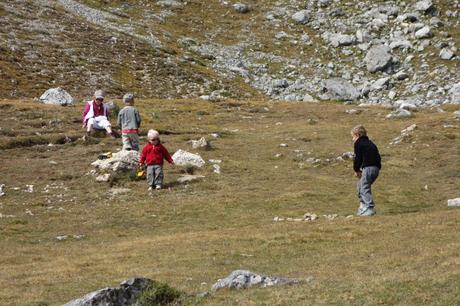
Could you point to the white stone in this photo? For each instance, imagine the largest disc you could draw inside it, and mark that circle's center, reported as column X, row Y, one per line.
column 241, row 8
column 187, row 178
column 120, row 161
column 216, row 168
column 424, row 32
column 200, row 143
column 453, row 202
column 56, row 96
column 2, row 192
column 446, row 54
column 399, row 113
column 378, row 58
column 302, row 17
column 184, row 158
column 103, row 177
column 457, row 114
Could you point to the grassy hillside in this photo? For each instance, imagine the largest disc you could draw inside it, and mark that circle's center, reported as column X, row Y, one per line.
column 190, row 236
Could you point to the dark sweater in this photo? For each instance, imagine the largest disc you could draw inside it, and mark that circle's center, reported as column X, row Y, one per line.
column 366, row 154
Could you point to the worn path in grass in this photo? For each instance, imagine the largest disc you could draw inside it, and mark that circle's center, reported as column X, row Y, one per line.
column 191, row 236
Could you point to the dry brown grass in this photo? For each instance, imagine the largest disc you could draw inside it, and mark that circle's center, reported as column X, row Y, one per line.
column 406, row 255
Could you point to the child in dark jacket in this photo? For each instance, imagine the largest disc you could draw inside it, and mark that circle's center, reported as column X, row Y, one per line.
column 152, row 156
column 367, row 165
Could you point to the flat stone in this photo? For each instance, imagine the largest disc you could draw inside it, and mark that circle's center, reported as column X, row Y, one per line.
column 56, row 96
column 187, row 178
column 242, row 279
column 454, row 202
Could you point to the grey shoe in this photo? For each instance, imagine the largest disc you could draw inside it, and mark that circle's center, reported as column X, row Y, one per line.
column 367, row 212
column 361, row 208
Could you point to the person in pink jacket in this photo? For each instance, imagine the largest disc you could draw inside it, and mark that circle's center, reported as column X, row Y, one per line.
column 96, row 113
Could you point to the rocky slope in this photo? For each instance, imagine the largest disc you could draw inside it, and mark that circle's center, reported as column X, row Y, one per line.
column 378, row 52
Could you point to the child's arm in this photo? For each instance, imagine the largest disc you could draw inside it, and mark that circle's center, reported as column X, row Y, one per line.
column 167, row 156
column 358, row 161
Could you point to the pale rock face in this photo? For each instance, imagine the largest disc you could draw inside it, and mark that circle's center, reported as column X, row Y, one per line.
column 120, row 161
column 453, row 202
column 340, row 89
column 455, row 93
column 302, row 17
column 57, row 96
column 183, row 158
column 378, row 58
column 399, row 114
column 424, row 32
column 242, row 279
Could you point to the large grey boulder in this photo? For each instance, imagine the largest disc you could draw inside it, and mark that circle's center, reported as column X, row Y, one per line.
column 423, row 33
column 125, row 295
column 184, row 158
column 56, row 96
column 378, row 58
column 455, row 93
column 242, row 279
column 338, row 39
column 424, row 6
column 120, row 161
column 339, row 89
column 302, row 16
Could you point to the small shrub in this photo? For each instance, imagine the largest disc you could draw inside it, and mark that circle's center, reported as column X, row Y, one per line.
column 159, row 294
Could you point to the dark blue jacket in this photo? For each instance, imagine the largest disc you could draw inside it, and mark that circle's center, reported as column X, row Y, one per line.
column 366, row 154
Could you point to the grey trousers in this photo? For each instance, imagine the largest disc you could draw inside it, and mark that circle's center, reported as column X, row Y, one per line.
column 368, row 177
column 155, row 175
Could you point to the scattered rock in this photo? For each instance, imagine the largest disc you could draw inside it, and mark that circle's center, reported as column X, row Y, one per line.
column 61, row 238
column 424, row 6
column 187, row 178
column 29, row 188
column 126, row 295
column 216, row 169
column 103, row 177
column 184, row 158
column 405, row 136
column 457, row 114
column 330, row 217
column 56, row 96
column 455, row 93
column 353, row 111
column 241, row 8
column 348, row 155
column 423, row 33
column 302, row 17
column 284, row 145
column 242, row 279
column 113, row 192
column 120, row 161
column 446, row 54
column 378, row 58
column 200, row 143
column 2, row 192
column 453, row 202
column 338, row 39
column 310, row 217
column 339, row 89
column 399, row 114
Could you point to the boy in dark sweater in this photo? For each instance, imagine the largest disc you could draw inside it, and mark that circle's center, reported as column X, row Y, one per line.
column 367, row 165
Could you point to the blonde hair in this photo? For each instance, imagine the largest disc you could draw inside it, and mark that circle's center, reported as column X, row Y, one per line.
column 359, row 130
column 152, row 134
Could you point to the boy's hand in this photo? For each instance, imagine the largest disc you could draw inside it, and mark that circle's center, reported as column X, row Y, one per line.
column 358, row 174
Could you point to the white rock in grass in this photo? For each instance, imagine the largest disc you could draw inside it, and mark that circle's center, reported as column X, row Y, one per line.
column 453, row 202
column 457, row 114
column 399, row 114
column 184, row 158
column 242, row 279
column 2, row 193
column 103, row 177
column 56, row 96
column 241, row 8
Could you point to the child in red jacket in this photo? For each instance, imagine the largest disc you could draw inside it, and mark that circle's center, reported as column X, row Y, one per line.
column 152, row 156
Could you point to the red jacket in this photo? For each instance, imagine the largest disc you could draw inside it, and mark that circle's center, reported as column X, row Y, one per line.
column 154, row 155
